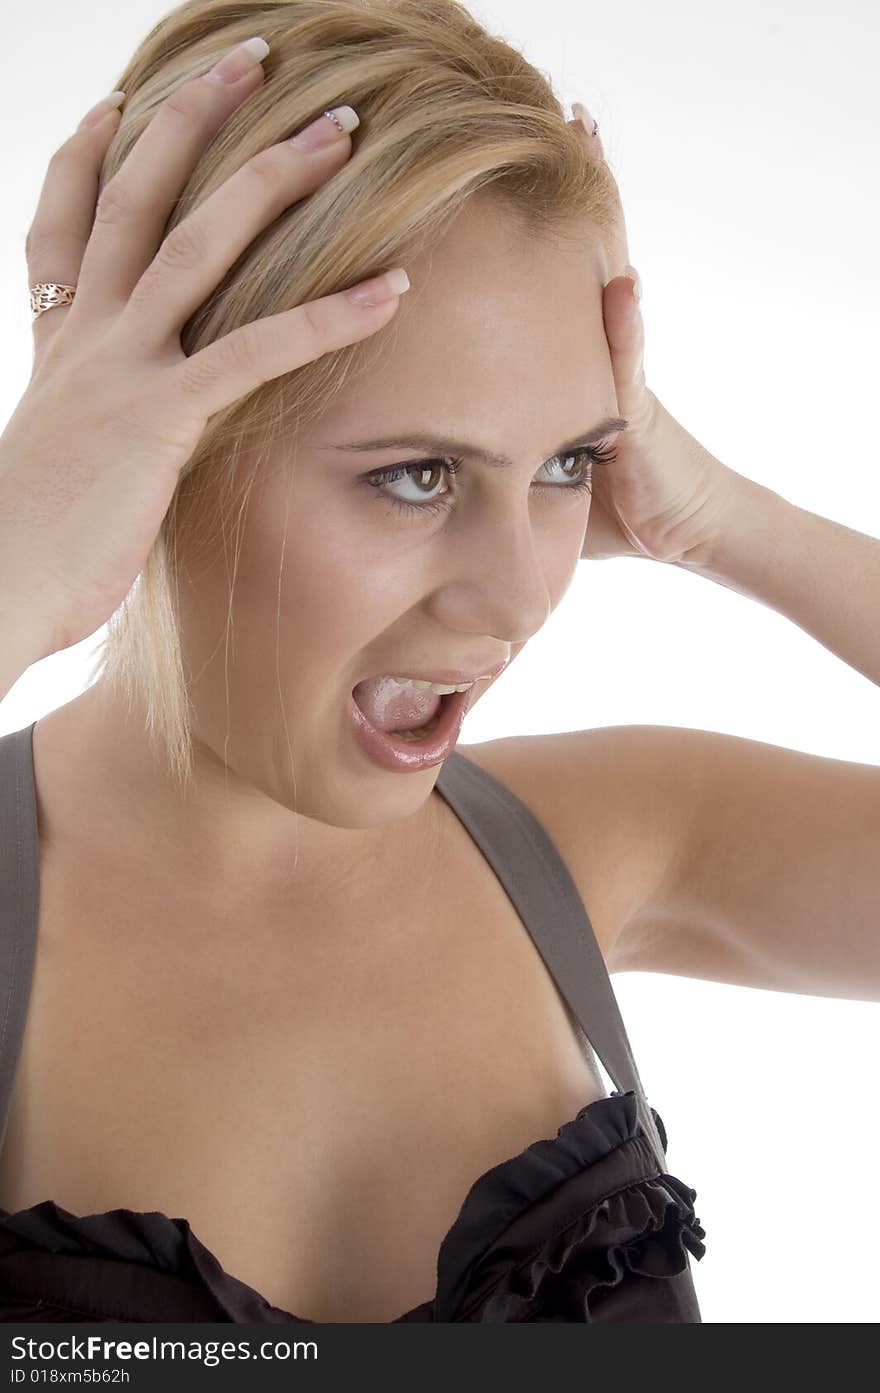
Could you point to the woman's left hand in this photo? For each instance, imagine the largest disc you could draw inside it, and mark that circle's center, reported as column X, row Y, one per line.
column 664, row 496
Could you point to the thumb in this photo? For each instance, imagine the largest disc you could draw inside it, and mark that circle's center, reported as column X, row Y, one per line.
column 624, row 331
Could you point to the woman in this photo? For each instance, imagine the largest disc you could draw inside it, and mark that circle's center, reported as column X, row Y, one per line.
column 251, row 941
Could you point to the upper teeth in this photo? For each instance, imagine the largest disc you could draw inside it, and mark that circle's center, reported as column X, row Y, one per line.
column 441, row 688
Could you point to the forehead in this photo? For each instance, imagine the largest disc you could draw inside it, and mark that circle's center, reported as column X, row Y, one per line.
column 501, row 333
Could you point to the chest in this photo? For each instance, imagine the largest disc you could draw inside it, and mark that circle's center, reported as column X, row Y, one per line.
column 314, row 1091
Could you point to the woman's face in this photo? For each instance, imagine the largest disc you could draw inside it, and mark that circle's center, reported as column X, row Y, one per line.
column 500, row 344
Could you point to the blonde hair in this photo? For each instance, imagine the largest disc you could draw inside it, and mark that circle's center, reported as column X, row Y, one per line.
column 447, row 110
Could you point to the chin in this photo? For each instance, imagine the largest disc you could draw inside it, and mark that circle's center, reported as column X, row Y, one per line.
column 360, row 802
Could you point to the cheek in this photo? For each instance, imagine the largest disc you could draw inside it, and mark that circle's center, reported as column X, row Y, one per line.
column 333, row 599
column 561, row 558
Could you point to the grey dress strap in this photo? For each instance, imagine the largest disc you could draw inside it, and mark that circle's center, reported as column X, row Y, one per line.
column 19, row 899
column 546, row 898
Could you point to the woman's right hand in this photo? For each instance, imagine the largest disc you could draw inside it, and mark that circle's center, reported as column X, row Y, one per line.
column 92, row 454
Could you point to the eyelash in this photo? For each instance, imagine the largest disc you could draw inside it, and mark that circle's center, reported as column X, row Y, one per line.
column 379, row 480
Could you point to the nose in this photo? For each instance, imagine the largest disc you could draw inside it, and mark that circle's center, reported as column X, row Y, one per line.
column 498, row 578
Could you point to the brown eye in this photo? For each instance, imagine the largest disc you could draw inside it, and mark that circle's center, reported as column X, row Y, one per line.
column 416, row 470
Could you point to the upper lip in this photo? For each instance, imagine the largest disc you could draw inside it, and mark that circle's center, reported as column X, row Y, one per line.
column 450, row 676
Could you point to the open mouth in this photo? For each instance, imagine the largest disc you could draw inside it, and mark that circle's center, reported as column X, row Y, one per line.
column 419, row 748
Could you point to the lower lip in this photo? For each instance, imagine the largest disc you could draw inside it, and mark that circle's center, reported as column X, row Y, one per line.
column 407, row 756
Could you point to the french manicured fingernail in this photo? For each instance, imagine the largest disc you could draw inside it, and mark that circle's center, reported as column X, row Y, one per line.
column 238, row 62
column 636, row 280
column 583, row 118
column 102, row 109
column 379, row 288
column 329, row 126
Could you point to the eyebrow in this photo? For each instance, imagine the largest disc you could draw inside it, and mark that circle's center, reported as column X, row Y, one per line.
column 445, row 445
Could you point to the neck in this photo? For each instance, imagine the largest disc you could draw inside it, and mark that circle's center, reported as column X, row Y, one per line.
column 223, row 839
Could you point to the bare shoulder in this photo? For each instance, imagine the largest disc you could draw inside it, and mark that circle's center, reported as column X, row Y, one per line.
column 617, row 801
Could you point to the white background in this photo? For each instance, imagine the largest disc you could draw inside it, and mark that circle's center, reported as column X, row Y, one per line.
column 744, row 142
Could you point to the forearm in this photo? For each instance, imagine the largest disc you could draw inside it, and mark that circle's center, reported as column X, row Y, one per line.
column 823, row 576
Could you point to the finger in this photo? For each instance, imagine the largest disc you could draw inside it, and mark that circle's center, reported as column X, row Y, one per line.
column 588, row 130
column 242, row 360
column 136, row 204
column 624, row 332
column 584, row 126
column 57, row 237
column 199, row 251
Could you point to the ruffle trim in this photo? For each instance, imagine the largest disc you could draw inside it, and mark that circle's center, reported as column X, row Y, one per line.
column 647, row 1229
column 498, row 1262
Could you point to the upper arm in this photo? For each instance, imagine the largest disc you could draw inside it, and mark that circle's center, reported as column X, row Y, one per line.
column 713, row 856
column 778, row 886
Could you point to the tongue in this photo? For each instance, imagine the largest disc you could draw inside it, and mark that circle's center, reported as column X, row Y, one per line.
column 390, row 707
